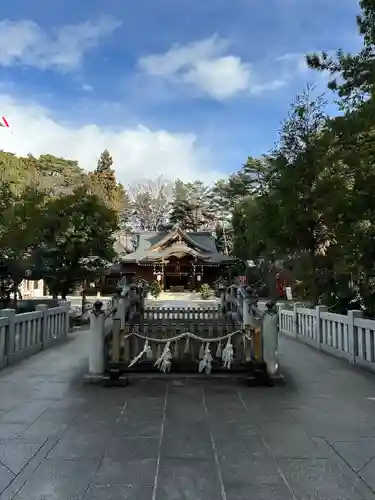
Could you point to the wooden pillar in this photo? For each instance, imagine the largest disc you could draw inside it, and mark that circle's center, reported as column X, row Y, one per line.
column 163, row 277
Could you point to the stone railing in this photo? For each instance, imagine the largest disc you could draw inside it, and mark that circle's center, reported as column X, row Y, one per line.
column 127, row 307
column 22, row 335
column 351, row 337
column 242, row 305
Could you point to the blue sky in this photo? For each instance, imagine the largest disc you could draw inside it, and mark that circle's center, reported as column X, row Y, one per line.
column 171, row 87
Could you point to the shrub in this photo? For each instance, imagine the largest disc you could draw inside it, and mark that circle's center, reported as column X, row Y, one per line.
column 155, row 289
column 206, row 291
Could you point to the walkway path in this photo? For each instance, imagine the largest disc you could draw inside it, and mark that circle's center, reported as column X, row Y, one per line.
column 314, row 437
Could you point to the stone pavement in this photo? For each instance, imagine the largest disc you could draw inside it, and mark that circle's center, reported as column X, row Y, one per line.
column 313, row 438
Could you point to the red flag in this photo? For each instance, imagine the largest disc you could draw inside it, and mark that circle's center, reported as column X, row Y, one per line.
column 4, row 122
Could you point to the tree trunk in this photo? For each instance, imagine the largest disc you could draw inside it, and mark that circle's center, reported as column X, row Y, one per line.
column 314, row 278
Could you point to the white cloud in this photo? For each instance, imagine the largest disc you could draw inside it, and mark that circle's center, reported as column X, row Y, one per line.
column 294, row 62
column 138, row 153
column 208, row 67
column 294, row 66
column 24, row 42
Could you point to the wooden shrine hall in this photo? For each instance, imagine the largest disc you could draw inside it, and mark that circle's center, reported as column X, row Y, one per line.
column 179, row 260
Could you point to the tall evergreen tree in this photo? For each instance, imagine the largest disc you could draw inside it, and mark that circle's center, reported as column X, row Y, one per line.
column 105, row 186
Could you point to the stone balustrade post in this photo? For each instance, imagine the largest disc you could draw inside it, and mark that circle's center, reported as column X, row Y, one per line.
column 10, row 339
column 270, row 339
column 318, row 322
column 353, row 334
column 96, row 340
column 295, row 320
column 67, row 304
column 43, row 334
column 121, row 312
column 246, row 315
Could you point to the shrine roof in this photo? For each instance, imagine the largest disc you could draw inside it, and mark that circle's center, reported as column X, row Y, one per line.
column 200, row 244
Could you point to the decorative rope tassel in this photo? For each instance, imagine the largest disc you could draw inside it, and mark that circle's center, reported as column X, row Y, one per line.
column 201, row 352
column 149, row 354
column 227, row 355
column 158, row 351
column 187, row 346
column 176, row 351
column 164, row 362
column 146, row 350
column 206, row 363
column 219, row 350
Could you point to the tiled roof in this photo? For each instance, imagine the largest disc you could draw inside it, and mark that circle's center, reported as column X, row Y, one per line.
column 205, row 242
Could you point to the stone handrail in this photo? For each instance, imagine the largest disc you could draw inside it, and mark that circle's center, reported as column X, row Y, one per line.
column 22, row 335
column 350, row 336
column 106, row 324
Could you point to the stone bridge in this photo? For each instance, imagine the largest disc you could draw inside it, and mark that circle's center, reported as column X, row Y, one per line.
column 312, row 438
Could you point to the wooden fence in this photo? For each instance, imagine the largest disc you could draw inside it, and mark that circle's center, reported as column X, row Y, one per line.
column 131, row 337
column 181, row 313
column 122, row 346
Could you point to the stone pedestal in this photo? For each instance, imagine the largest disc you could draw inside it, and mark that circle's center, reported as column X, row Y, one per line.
column 96, row 343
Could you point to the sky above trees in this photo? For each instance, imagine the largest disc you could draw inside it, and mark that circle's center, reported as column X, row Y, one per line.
column 163, row 85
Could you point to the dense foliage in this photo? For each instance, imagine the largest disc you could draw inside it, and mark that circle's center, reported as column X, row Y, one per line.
column 310, row 201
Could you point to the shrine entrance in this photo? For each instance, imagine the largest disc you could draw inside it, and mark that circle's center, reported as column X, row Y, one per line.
column 177, row 282
column 178, row 275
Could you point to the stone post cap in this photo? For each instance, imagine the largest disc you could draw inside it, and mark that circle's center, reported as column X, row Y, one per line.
column 271, row 306
column 97, row 309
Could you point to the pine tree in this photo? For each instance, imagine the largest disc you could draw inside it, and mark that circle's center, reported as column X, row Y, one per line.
column 107, row 188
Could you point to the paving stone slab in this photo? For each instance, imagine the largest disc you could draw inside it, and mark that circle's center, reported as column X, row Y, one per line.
column 79, row 446
column 253, row 468
column 52, row 390
column 183, row 478
column 16, row 453
column 132, row 473
column 236, row 430
column 318, row 479
column 259, row 492
column 176, row 447
column 368, row 474
column 59, row 479
column 144, row 428
column 183, row 429
column 25, row 412
column 6, row 476
column 128, row 449
column 240, row 448
column 356, row 453
column 8, row 431
column 119, row 493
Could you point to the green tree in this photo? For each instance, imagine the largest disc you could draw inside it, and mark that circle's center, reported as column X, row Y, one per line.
column 105, row 186
column 191, row 207
column 353, row 76
column 79, row 230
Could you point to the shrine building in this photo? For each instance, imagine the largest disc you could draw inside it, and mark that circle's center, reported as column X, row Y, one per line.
column 179, row 260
